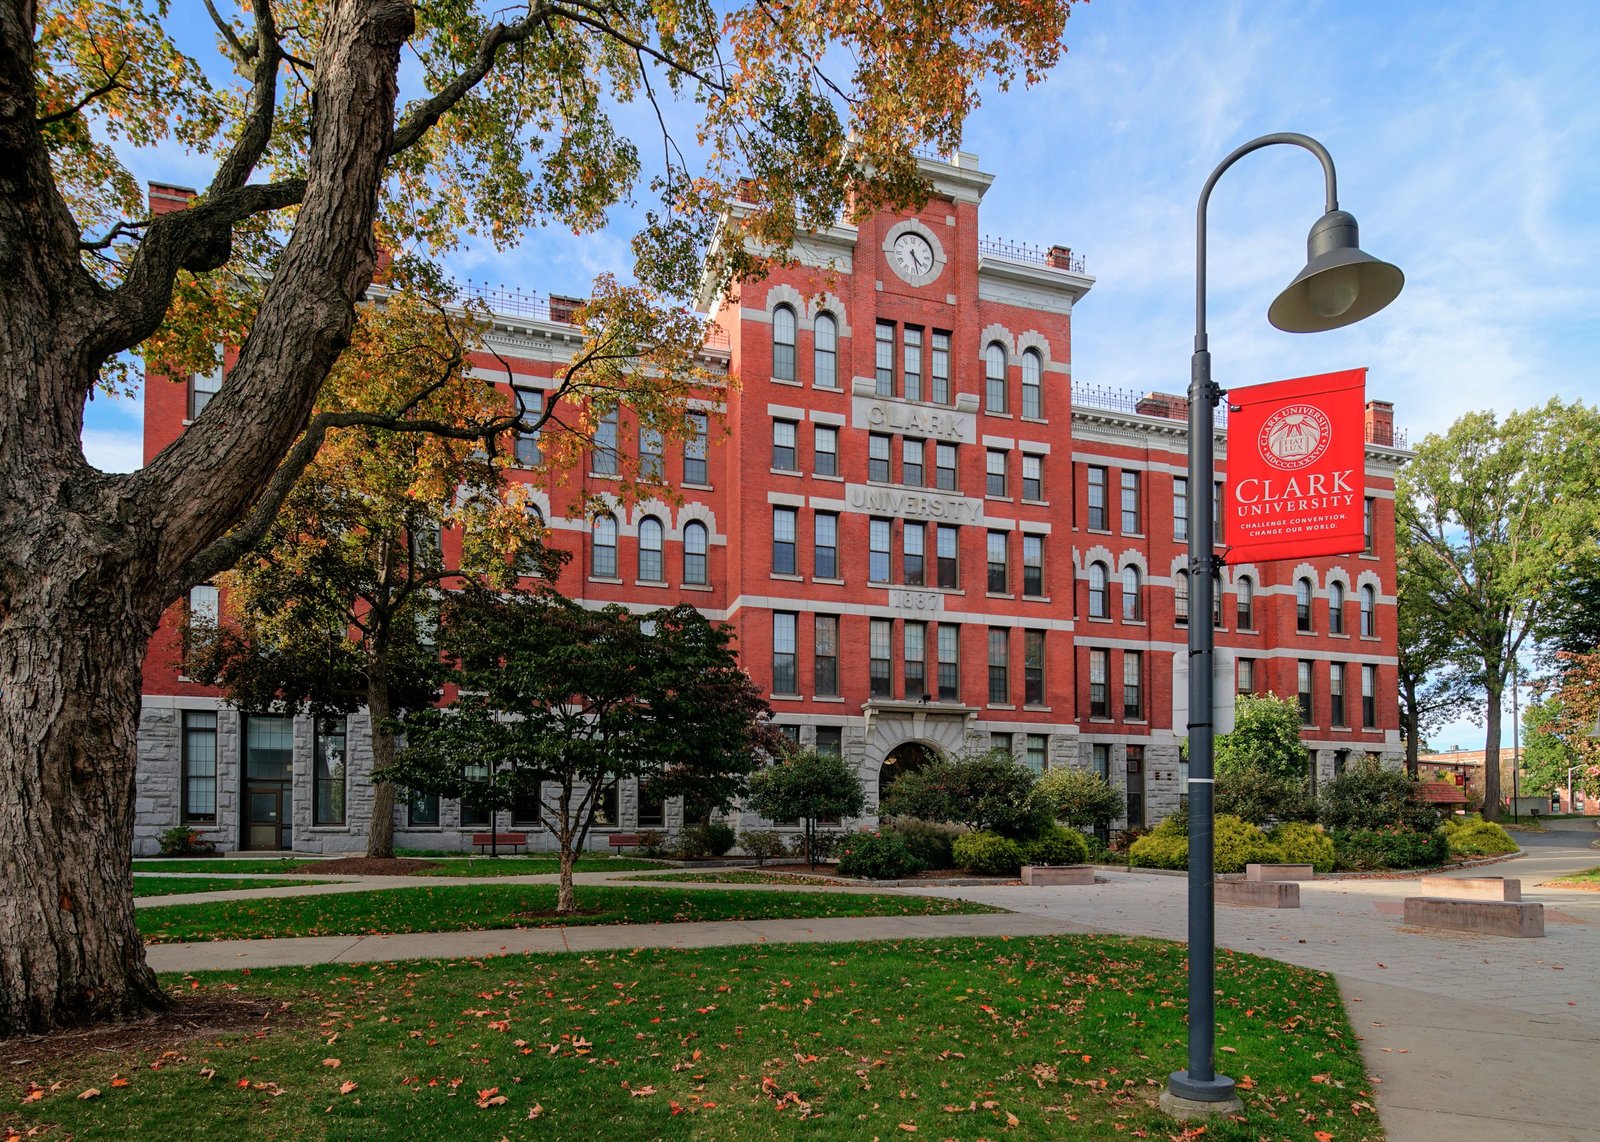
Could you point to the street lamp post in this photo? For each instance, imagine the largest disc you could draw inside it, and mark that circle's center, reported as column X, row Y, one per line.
column 1338, row 286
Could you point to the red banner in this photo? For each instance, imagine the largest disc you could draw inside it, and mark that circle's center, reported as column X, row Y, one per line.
column 1296, row 468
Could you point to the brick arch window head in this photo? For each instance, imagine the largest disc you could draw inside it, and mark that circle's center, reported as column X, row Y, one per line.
column 783, row 325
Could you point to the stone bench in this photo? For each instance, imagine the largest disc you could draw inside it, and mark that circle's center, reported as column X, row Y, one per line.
column 1267, row 873
column 1258, row 893
column 1518, row 918
column 1473, row 887
column 1046, row 874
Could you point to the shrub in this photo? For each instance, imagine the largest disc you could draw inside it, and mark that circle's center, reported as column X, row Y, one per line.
column 1477, row 839
column 1265, row 739
column 1263, row 798
column 987, row 791
column 877, row 856
column 808, row 785
column 1300, row 843
column 1079, row 798
column 988, row 854
column 1367, row 797
column 819, row 846
column 1056, row 846
column 712, row 839
column 930, row 842
column 1236, row 843
column 763, row 844
column 1123, row 840
column 652, row 842
column 180, row 840
column 1391, row 847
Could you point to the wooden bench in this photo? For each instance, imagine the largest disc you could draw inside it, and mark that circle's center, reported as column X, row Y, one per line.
column 512, row 841
column 625, row 840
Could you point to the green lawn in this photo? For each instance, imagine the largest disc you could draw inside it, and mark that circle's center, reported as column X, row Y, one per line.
column 735, row 876
column 182, row 885
column 1588, row 878
column 534, row 866
column 1027, row 1039
column 220, row 864
column 458, row 907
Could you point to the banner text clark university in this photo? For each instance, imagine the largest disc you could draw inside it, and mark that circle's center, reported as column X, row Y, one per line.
column 1296, row 468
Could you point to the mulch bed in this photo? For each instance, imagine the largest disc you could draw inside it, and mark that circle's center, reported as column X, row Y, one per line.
column 368, row 866
column 190, row 1017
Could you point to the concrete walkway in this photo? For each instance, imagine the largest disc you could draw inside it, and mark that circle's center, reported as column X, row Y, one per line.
column 1466, row 1037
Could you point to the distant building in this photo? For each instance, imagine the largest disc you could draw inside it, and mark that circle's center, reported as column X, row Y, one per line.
column 927, row 536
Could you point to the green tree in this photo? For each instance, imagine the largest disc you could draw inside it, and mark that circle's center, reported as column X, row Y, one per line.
column 1433, row 688
column 1265, row 739
column 984, row 791
column 318, row 152
column 1079, row 798
column 557, row 703
column 1560, row 728
column 811, row 786
column 1501, row 510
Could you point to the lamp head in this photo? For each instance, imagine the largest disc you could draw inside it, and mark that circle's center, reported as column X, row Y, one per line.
column 1340, row 284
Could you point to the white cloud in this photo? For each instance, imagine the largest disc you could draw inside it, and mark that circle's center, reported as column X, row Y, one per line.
column 113, row 450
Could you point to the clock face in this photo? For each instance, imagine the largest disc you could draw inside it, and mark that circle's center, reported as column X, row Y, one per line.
column 913, row 256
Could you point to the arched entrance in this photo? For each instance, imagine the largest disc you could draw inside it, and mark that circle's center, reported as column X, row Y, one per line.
column 907, row 757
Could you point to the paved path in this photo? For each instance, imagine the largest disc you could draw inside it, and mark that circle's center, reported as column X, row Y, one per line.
column 1467, row 1037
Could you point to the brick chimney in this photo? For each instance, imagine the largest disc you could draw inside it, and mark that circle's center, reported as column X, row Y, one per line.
column 164, row 198
column 1059, row 257
column 1380, row 422
column 1166, row 405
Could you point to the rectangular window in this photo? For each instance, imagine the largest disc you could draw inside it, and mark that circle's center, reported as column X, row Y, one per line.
column 422, row 812
column 911, row 454
column 1303, row 679
column 878, row 650
column 878, row 458
column 472, row 810
column 940, row 372
column 652, row 811
column 1100, row 761
column 999, row 739
column 878, row 551
column 328, row 773
column 605, row 808
column 199, row 767
column 1135, row 786
column 202, row 387
column 1038, row 752
column 1097, row 499
column 944, row 467
column 1099, row 684
column 694, row 449
column 784, row 455
column 1245, row 682
column 1033, row 566
column 1336, row 693
column 826, row 656
column 607, row 458
column 1369, row 697
column 825, row 548
column 1130, row 504
column 204, row 608
column 825, row 455
column 652, row 465
column 784, row 680
column 530, row 407
column 1033, row 667
column 1180, row 507
column 914, row 668
column 884, row 374
column 997, row 563
column 783, row 532
column 1369, row 507
column 911, row 363
column 999, row 665
column 948, row 539
column 1183, row 782
column 1133, row 684
column 1032, row 477
column 949, row 662
column 995, row 466
column 269, row 748
column 830, row 739
column 1217, row 501
column 913, row 537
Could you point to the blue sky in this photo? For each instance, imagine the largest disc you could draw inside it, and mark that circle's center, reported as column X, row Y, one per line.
column 1467, row 138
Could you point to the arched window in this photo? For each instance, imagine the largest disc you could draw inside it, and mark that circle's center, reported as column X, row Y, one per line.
column 825, row 348
column 1180, row 598
column 1369, row 611
column 1302, row 605
column 1335, row 608
column 1245, row 593
column 650, row 569
column 528, row 562
column 1131, row 609
column 694, row 552
column 994, row 372
column 605, row 547
column 783, row 344
column 1032, row 384
column 1098, row 608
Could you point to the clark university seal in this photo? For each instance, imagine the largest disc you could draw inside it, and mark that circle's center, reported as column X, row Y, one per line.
column 1295, row 437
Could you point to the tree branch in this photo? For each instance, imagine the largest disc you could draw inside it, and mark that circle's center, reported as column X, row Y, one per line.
column 111, row 84
column 241, row 51
column 252, row 142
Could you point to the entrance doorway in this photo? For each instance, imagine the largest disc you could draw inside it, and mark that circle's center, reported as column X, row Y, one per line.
column 267, row 818
column 907, row 757
column 268, row 790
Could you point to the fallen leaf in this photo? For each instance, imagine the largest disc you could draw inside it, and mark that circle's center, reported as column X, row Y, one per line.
column 118, row 1080
column 643, row 1092
column 330, row 1062
column 347, row 1086
column 92, row 1092
column 908, row 1127
column 1323, row 1136
column 1012, row 1119
column 535, row 1110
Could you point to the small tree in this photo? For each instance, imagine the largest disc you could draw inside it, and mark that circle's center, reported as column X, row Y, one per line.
column 1265, row 739
column 1367, row 796
column 1079, row 798
column 984, row 791
column 558, row 703
column 811, row 786
column 1263, row 798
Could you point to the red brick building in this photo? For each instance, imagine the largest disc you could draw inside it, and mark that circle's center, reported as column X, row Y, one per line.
column 926, row 536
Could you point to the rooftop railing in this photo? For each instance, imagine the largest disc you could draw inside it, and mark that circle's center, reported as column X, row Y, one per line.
column 513, row 302
column 1055, row 257
column 1171, row 406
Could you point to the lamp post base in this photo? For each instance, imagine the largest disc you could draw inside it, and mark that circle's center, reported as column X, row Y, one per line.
column 1186, row 1098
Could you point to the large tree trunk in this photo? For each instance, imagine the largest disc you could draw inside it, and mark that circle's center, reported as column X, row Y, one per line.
column 1412, row 722
column 568, row 838
column 1491, row 757
column 380, row 837
column 69, row 949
